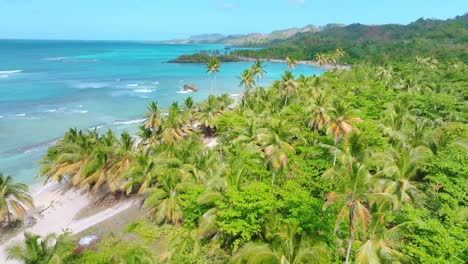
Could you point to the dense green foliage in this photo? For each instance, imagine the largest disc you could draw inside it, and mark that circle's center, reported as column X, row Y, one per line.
column 366, row 165
column 442, row 40
column 205, row 56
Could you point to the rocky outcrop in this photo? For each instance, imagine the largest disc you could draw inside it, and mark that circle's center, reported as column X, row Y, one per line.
column 189, row 87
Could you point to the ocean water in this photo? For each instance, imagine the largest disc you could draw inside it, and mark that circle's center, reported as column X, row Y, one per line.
column 47, row 87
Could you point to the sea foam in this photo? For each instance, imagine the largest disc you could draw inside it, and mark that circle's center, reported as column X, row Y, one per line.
column 90, row 85
column 129, row 122
column 56, row 58
column 184, row 92
column 79, row 111
column 69, row 59
column 10, row 72
column 143, row 90
column 23, row 114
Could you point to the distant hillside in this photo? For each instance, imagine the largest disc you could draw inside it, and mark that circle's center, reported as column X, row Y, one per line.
column 254, row 38
column 442, row 39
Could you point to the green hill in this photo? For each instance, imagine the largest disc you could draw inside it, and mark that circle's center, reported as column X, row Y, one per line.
column 441, row 39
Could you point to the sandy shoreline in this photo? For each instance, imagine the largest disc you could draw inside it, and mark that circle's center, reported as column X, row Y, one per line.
column 57, row 208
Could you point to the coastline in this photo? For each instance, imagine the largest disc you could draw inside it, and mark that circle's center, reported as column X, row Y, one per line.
column 327, row 66
column 58, row 208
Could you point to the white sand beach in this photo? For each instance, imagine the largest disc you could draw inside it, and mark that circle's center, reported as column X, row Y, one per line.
column 57, row 209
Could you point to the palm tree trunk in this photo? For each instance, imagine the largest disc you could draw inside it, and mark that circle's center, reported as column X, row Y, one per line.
column 351, row 232
column 273, row 178
column 286, row 101
column 334, row 159
column 336, row 153
column 8, row 216
column 211, row 88
column 216, row 91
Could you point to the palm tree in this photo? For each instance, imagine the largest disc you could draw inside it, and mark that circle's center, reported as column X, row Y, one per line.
column 68, row 157
column 321, row 59
column 141, row 174
column 173, row 129
column 339, row 52
column 216, row 189
column 184, row 242
column 247, row 80
column 288, row 85
column 385, row 73
column 428, row 62
column 337, row 55
column 318, row 117
column 304, row 82
column 356, row 184
column 246, row 134
column 380, row 245
column 341, row 122
column 258, row 70
column 212, row 67
column 37, row 250
column 275, row 146
column 290, row 62
column 208, row 113
column 153, row 119
column 164, row 202
column 398, row 167
column 189, row 104
column 287, row 246
column 97, row 172
column 420, row 132
column 14, row 198
column 123, row 159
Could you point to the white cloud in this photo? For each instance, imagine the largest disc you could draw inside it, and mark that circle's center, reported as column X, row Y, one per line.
column 297, row 2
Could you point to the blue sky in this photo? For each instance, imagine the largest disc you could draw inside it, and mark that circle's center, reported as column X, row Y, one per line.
column 167, row 19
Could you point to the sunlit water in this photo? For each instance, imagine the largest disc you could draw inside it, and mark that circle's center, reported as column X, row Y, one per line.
column 47, row 87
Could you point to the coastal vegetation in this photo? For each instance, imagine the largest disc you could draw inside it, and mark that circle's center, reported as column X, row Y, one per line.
column 440, row 39
column 365, row 165
column 360, row 165
column 206, row 56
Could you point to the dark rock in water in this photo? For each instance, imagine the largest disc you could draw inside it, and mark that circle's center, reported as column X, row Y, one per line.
column 189, row 87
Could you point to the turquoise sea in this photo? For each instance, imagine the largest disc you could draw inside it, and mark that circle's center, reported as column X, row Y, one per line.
column 47, row 87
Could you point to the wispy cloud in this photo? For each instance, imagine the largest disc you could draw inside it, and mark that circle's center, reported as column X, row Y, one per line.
column 297, row 2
